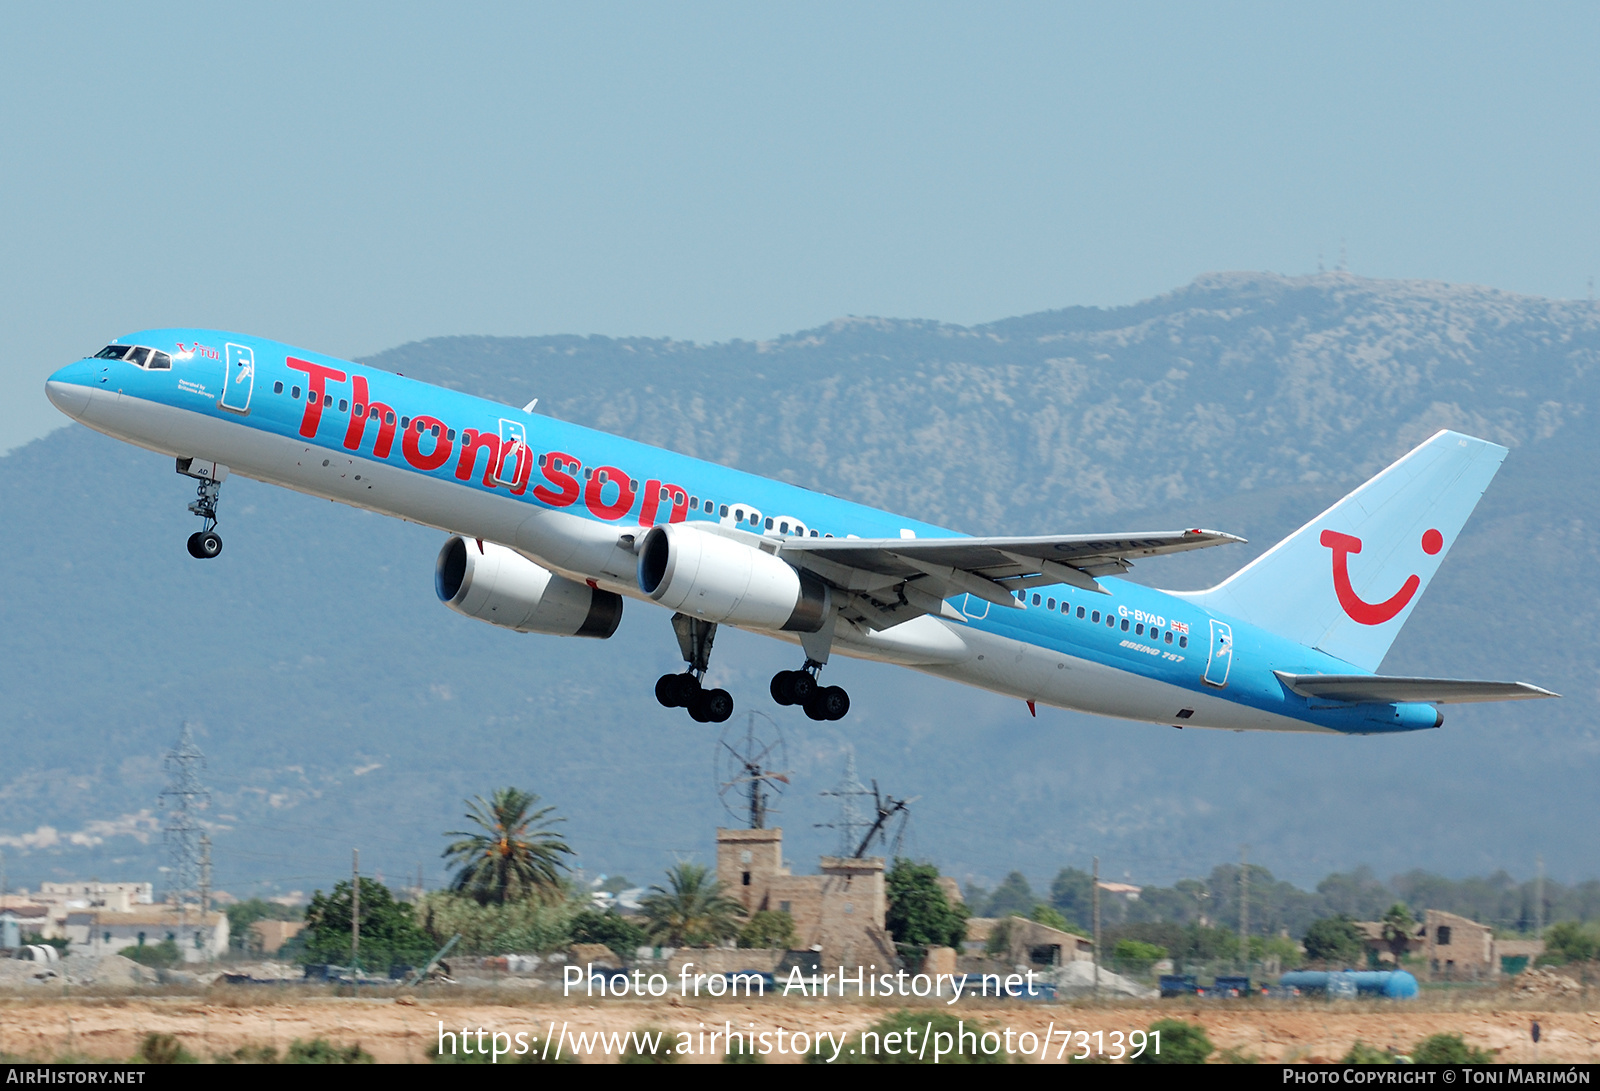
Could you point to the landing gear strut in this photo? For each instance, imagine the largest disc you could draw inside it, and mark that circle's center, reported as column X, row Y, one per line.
column 707, row 706
column 802, row 688
column 205, row 543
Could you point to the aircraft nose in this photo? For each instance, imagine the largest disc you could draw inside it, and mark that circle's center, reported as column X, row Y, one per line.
column 68, row 389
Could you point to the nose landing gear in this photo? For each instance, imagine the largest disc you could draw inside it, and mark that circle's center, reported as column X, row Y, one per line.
column 206, row 542
column 706, row 706
column 802, row 688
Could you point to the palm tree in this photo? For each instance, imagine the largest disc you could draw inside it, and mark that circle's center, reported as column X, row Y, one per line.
column 692, row 910
column 513, row 854
column 1398, row 926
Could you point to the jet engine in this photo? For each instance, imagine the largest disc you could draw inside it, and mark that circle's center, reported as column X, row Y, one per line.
column 501, row 586
column 720, row 579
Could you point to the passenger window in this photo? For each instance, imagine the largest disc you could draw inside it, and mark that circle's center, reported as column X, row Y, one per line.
column 160, row 361
column 360, row 409
column 343, row 404
column 1138, row 629
column 633, row 486
column 1169, row 636
column 1110, row 621
column 327, row 399
column 1124, row 624
column 1036, row 600
column 1080, row 613
column 1183, row 642
column 277, row 388
column 388, row 418
column 723, row 512
column 405, row 424
column 1095, row 618
column 768, row 523
column 1049, row 604
column 541, row 460
column 450, row 435
column 783, row 527
column 435, row 431
column 112, row 352
column 738, row 513
column 814, row 534
column 294, row 392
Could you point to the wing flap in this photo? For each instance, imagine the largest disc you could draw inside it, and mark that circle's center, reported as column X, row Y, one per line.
column 1373, row 689
column 997, row 558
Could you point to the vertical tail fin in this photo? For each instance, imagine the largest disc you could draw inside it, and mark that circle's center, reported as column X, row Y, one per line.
column 1347, row 581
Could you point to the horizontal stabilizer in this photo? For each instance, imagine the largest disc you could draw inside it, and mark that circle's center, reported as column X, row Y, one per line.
column 1374, row 689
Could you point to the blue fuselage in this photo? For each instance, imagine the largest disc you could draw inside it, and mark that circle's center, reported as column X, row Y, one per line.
column 563, row 494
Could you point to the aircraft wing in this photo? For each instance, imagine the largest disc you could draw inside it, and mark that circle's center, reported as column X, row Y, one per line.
column 901, row 578
column 1372, row 689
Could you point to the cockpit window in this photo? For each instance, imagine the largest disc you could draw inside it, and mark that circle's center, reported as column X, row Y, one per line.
column 112, row 352
column 138, row 356
column 160, row 361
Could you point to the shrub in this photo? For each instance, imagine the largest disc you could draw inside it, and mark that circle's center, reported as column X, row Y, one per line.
column 163, row 1049
column 493, row 929
column 475, row 1057
column 158, row 956
column 1334, row 940
column 1568, row 941
column 1449, row 1049
column 1361, row 1053
column 260, row 1054
column 768, row 928
column 1181, row 1043
column 919, row 1024
column 322, row 1051
column 609, row 928
column 649, row 1045
column 1136, row 955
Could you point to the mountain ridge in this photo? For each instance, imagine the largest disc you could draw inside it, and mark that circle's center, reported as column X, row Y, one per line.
column 314, row 647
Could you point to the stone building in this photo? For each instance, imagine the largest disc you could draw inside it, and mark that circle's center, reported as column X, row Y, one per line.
column 1028, row 943
column 840, row 913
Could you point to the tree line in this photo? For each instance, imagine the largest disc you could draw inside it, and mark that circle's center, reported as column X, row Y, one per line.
column 1277, row 906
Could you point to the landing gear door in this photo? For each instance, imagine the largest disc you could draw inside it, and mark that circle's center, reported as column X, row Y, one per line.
column 1221, row 660
column 240, row 380
column 513, row 451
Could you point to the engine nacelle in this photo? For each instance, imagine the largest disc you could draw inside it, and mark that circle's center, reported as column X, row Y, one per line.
column 719, row 579
column 501, row 586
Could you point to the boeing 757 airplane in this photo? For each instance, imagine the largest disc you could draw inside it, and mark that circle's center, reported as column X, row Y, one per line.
column 552, row 527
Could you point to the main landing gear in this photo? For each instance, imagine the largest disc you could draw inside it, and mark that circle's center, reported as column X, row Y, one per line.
column 802, row 688
column 707, row 706
column 204, row 543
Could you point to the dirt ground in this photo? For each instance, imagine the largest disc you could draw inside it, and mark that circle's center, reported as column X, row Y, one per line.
column 401, row 1029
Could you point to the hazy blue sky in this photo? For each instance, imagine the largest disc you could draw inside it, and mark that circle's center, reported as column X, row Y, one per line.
column 349, row 177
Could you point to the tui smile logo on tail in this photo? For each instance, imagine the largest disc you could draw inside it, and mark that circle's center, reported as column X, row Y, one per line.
column 1359, row 610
